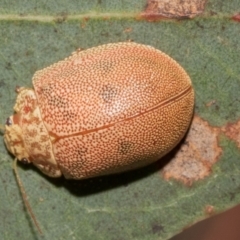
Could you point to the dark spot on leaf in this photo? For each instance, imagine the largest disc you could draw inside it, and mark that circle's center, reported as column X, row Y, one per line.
column 212, row 13
column 157, row 228
column 22, row 14
column 8, row 66
column 217, row 108
column 2, row 83
column 29, row 53
column 105, row 34
column 199, row 25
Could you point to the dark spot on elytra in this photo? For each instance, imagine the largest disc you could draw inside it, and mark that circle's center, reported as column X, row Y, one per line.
column 81, row 152
column 104, row 67
column 108, row 93
column 69, row 115
column 45, row 89
column 58, row 101
column 125, row 147
column 53, row 100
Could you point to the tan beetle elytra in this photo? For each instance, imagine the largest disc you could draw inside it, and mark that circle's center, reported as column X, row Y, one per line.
column 104, row 110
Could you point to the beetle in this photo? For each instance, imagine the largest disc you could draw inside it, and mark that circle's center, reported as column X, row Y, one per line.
column 104, row 110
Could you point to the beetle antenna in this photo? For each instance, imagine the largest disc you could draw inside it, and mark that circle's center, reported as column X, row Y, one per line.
column 24, row 196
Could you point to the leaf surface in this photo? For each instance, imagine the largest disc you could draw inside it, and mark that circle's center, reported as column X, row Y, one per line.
column 140, row 204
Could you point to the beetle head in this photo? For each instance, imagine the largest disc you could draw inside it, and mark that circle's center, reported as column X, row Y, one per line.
column 13, row 138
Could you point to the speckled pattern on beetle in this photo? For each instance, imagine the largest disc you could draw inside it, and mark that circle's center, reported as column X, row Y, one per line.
column 104, row 110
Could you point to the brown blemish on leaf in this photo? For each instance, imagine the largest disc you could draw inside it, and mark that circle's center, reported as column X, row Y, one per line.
column 209, row 210
column 232, row 130
column 177, row 9
column 196, row 155
column 84, row 22
column 212, row 102
column 127, row 30
column 62, row 17
column 236, row 17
